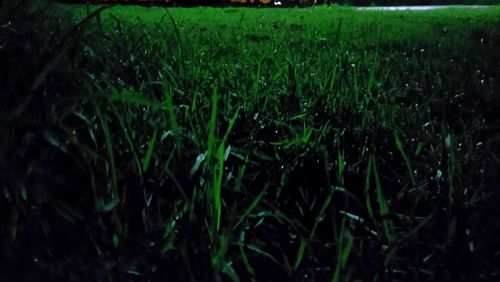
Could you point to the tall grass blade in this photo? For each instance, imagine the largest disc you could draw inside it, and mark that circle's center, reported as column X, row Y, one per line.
column 368, row 201
column 109, row 148
column 252, row 206
column 246, row 262
column 212, row 124
column 217, row 186
column 146, row 161
column 406, row 160
column 300, row 253
column 126, row 133
column 173, row 119
column 382, row 204
column 344, row 251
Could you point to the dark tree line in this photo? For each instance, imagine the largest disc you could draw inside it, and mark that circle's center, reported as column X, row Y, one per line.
column 191, row 3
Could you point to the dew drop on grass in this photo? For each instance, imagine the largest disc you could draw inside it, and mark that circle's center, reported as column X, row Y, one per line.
column 471, row 246
column 439, row 174
column 427, row 258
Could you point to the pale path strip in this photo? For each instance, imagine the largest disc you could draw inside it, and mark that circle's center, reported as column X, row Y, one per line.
column 423, row 8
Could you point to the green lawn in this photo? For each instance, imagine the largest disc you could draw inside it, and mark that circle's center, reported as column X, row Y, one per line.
column 206, row 144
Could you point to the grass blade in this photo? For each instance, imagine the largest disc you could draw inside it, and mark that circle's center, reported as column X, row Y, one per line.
column 252, row 206
column 149, row 153
column 406, row 160
column 109, row 148
column 382, row 203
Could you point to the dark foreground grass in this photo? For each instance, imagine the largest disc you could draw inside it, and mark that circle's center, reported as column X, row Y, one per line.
column 319, row 144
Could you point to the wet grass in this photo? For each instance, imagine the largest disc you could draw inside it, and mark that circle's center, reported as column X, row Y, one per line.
column 316, row 144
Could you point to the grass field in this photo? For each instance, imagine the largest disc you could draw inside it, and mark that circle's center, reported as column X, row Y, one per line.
column 206, row 144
